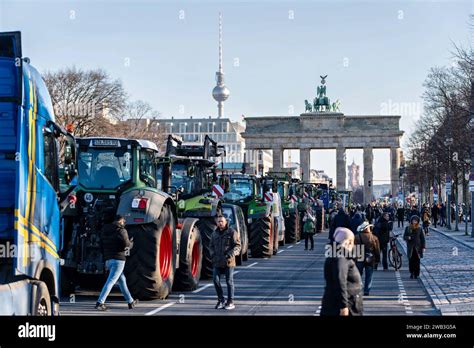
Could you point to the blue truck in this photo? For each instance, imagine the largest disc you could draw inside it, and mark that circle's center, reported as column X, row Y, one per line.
column 34, row 153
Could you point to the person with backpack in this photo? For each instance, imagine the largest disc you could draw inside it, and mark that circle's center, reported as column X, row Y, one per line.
column 416, row 245
column 309, row 228
column 369, row 255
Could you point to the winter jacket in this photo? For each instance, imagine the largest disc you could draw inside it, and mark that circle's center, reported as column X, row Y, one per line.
column 400, row 213
column 382, row 230
column 309, row 223
column 356, row 221
column 343, row 287
column 415, row 239
column 371, row 244
column 340, row 220
column 224, row 247
column 114, row 239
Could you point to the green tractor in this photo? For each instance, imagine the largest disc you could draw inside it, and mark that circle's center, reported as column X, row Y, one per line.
column 286, row 189
column 119, row 176
column 248, row 192
column 188, row 172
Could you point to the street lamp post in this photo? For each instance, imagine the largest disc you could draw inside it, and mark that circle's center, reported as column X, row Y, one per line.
column 465, row 214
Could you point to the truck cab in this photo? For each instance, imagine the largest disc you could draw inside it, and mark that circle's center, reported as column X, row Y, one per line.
column 31, row 196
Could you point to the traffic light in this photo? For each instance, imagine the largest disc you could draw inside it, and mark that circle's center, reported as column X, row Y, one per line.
column 369, row 183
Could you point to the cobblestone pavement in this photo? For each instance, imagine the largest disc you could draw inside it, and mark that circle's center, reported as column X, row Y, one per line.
column 448, row 273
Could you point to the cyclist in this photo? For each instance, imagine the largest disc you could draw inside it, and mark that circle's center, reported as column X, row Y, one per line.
column 416, row 245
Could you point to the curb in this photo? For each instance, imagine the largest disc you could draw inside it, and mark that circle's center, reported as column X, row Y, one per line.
column 446, row 234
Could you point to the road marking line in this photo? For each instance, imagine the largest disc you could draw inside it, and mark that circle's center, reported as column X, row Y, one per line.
column 159, row 309
column 289, row 247
column 318, row 311
column 202, row 288
column 253, row 264
column 298, row 243
column 280, row 251
column 236, row 272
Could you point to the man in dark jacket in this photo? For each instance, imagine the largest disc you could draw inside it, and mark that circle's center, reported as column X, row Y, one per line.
column 442, row 212
column 435, row 213
column 116, row 245
column 340, row 220
column 356, row 221
column 369, row 213
column 224, row 246
column 400, row 215
column 416, row 245
column 343, row 291
column 382, row 232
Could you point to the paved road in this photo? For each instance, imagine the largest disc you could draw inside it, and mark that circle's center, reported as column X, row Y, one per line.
column 291, row 283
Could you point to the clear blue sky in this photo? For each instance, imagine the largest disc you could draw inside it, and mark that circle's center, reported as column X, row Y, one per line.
column 374, row 52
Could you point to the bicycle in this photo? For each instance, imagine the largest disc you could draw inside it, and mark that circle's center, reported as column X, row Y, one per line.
column 394, row 255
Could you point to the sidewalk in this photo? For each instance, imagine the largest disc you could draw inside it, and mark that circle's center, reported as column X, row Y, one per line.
column 459, row 235
column 447, row 271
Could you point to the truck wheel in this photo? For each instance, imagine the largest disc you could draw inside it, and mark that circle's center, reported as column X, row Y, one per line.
column 291, row 227
column 190, row 259
column 206, row 226
column 41, row 301
column 261, row 237
column 151, row 265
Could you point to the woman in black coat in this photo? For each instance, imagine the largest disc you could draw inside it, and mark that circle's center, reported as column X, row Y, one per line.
column 343, row 291
column 415, row 238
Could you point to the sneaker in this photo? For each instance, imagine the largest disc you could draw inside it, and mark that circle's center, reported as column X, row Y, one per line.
column 100, row 306
column 132, row 304
column 229, row 305
column 220, row 305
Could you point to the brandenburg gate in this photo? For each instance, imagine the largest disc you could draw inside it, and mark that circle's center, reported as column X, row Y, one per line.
column 322, row 126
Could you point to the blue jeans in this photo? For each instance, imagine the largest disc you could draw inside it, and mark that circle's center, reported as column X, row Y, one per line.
column 115, row 268
column 369, row 271
column 229, row 278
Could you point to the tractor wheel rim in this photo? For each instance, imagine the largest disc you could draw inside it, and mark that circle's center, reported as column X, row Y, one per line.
column 195, row 258
column 166, row 250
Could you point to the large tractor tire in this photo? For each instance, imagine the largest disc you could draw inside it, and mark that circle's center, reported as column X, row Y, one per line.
column 190, row 257
column 206, row 226
column 41, row 300
column 261, row 237
column 150, row 268
column 292, row 223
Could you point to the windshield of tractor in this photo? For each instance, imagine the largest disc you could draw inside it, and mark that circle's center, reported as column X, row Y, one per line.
column 240, row 189
column 148, row 167
column 180, row 178
column 104, row 168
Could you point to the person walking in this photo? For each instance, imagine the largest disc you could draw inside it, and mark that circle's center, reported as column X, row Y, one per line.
column 370, row 253
column 442, row 213
column 356, row 221
column 343, row 290
column 224, row 246
column 341, row 219
column 400, row 216
column 369, row 213
column 309, row 228
column 435, row 213
column 426, row 216
column 115, row 245
column 415, row 238
column 382, row 232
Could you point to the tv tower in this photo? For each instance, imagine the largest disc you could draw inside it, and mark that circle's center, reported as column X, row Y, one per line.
column 220, row 92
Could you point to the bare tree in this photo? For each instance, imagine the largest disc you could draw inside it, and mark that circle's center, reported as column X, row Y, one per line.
column 85, row 99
